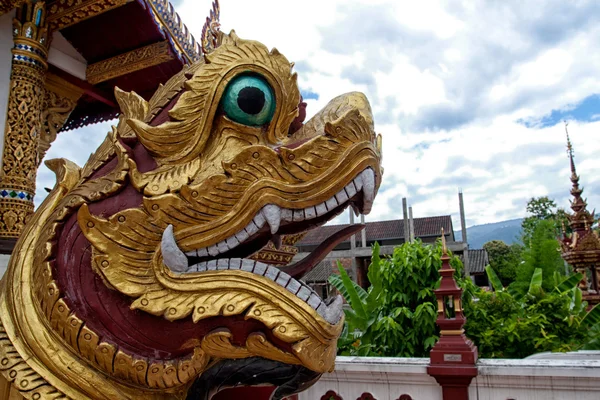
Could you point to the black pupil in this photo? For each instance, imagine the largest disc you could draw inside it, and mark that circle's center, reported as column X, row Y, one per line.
column 251, row 100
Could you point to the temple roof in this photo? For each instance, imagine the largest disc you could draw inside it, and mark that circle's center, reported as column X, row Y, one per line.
column 133, row 44
column 384, row 230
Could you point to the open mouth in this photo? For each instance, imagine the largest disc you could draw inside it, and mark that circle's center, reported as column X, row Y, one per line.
column 269, row 224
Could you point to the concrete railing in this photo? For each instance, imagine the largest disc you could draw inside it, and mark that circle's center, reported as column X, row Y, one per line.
column 406, row 378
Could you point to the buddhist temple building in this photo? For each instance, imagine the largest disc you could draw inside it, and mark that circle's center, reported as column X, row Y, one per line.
column 581, row 247
column 59, row 64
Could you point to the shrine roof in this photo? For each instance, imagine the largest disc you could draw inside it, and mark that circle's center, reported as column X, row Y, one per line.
column 478, row 260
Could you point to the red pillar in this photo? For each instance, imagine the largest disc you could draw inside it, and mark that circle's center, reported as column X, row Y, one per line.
column 453, row 359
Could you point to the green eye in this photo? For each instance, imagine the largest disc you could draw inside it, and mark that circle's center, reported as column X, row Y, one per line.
column 249, row 100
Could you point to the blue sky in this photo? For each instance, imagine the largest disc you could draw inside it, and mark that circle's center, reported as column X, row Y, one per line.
column 468, row 94
column 587, row 110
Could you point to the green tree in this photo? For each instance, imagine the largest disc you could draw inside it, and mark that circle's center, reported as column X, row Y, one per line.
column 504, row 259
column 542, row 209
column 506, row 325
column 396, row 316
column 543, row 252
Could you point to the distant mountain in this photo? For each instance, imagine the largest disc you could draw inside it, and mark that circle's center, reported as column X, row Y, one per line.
column 507, row 231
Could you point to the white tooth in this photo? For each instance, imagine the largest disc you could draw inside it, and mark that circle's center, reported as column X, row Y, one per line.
column 331, row 203
column 304, row 293
column 223, row 264
column 321, row 209
column 222, row 246
column 350, row 190
column 358, row 183
column 341, row 197
column 235, row 263
column 283, row 279
column 203, row 252
column 314, row 301
column 298, row 215
column 232, row 242
column 333, row 312
column 211, row 265
column 251, row 228
column 287, row 215
column 259, row 220
column 201, row 267
column 260, row 268
column 173, row 257
column 272, row 273
column 322, row 309
column 241, row 236
column 272, row 214
column 248, row 265
column 310, row 212
column 293, row 286
column 368, row 179
column 213, row 250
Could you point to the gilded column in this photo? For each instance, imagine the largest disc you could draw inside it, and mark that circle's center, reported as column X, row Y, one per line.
column 23, row 120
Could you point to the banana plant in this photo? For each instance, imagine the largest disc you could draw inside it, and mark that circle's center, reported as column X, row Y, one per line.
column 363, row 303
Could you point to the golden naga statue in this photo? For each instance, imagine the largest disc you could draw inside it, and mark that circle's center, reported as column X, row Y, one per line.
column 132, row 280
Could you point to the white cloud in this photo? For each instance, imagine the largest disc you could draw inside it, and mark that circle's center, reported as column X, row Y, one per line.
column 447, row 82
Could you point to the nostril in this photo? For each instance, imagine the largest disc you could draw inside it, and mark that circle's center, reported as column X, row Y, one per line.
column 299, row 120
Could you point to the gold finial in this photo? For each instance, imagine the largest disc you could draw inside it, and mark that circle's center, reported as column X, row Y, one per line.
column 570, row 151
column 211, row 29
column 444, row 248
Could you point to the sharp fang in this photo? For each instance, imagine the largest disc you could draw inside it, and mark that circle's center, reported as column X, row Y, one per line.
column 333, row 312
column 173, row 257
column 276, row 239
column 368, row 179
column 272, row 214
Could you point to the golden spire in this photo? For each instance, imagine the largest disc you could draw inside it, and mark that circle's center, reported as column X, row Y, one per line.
column 574, row 176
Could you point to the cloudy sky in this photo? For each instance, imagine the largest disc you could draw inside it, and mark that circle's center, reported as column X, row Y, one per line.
column 468, row 95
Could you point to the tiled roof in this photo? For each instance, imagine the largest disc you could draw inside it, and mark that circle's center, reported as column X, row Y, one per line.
column 384, row 230
column 320, row 273
column 478, row 259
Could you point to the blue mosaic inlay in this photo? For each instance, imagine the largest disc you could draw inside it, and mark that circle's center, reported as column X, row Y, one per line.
column 15, row 194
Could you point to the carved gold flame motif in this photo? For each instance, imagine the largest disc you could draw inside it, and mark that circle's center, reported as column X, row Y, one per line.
column 212, row 192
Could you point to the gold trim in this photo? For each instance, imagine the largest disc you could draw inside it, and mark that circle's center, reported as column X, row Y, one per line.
column 64, row 13
column 9, row 5
column 132, row 61
column 59, row 101
column 452, row 332
column 63, row 88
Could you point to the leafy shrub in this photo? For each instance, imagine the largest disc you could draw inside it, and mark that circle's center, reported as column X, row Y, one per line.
column 514, row 325
column 396, row 316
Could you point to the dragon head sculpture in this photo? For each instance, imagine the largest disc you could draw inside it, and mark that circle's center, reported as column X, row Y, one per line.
column 133, row 279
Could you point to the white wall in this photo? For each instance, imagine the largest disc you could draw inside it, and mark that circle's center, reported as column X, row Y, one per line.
column 6, row 45
column 574, row 377
column 384, row 378
column 537, row 379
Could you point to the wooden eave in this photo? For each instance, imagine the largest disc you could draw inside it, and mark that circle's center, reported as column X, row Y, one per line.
column 133, row 44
